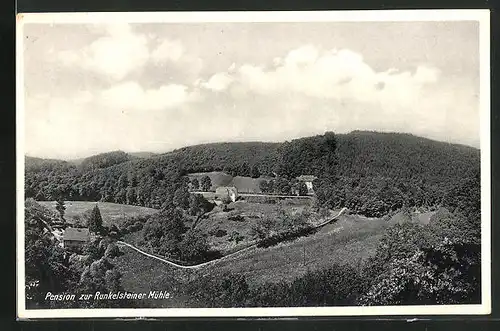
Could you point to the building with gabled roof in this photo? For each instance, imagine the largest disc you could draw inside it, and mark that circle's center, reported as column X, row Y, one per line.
column 226, row 193
column 76, row 238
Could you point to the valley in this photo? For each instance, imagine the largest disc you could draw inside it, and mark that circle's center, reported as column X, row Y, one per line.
column 238, row 217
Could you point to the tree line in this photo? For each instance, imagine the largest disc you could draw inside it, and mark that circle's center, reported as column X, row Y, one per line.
column 414, row 264
column 370, row 173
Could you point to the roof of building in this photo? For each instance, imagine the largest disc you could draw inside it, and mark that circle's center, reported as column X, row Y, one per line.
column 307, row 178
column 78, row 234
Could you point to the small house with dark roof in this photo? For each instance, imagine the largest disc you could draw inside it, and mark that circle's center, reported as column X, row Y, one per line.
column 308, row 180
column 76, row 238
column 226, row 193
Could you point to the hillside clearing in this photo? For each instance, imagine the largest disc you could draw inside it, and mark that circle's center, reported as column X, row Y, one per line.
column 110, row 212
column 351, row 239
column 242, row 183
column 240, row 219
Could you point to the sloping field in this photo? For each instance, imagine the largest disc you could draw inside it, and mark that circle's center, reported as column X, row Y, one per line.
column 243, row 184
column 247, row 184
column 219, row 225
column 218, row 178
column 422, row 218
column 350, row 240
column 141, row 274
column 110, row 212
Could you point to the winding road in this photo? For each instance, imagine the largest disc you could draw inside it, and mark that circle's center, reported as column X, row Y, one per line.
column 197, row 266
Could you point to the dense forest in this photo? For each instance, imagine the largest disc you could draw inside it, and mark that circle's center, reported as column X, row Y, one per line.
column 368, row 172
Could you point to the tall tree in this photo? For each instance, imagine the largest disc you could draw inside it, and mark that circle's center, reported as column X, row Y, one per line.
column 181, row 197
column 199, row 206
column 46, row 268
column 60, row 207
column 95, row 220
column 194, row 246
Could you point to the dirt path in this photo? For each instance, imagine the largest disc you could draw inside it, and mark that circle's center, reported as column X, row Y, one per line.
column 196, row 266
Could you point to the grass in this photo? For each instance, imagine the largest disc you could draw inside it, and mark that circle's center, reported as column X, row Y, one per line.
column 141, row 274
column 247, row 184
column 241, row 218
column 218, row 178
column 350, row 240
column 414, row 217
column 110, row 212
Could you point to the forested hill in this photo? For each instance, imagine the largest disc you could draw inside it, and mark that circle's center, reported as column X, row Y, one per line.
column 393, row 154
column 234, row 158
column 359, row 170
column 104, row 160
column 379, row 172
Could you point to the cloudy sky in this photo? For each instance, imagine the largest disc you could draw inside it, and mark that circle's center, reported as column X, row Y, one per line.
column 93, row 88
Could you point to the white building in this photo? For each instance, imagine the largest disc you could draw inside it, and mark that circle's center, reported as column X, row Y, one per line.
column 308, row 180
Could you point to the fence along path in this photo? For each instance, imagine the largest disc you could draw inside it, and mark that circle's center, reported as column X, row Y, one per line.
column 197, row 266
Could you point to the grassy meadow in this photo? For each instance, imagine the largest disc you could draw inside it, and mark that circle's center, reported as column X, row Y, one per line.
column 351, row 239
column 110, row 212
column 241, row 218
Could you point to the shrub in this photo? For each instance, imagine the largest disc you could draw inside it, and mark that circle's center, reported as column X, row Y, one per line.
column 337, row 285
column 236, row 237
column 236, row 218
column 112, row 251
column 225, row 290
column 446, row 274
column 285, row 236
column 220, row 233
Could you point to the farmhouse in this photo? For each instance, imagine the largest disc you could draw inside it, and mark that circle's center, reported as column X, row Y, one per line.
column 76, row 238
column 226, row 193
column 308, row 180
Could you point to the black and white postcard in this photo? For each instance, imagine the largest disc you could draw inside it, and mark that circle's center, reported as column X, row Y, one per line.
column 253, row 164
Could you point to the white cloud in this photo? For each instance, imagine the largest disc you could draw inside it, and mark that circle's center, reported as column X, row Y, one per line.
column 131, row 96
column 168, row 50
column 426, row 75
column 333, row 76
column 304, row 55
column 115, row 55
column 310, row 90
column 122, row 51
column 218, row 82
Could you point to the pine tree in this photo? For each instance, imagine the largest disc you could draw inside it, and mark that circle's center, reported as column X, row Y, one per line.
column 60, row 207
column 95, row 220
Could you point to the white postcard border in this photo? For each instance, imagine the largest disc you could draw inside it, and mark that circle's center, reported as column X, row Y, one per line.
column 482, row 16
